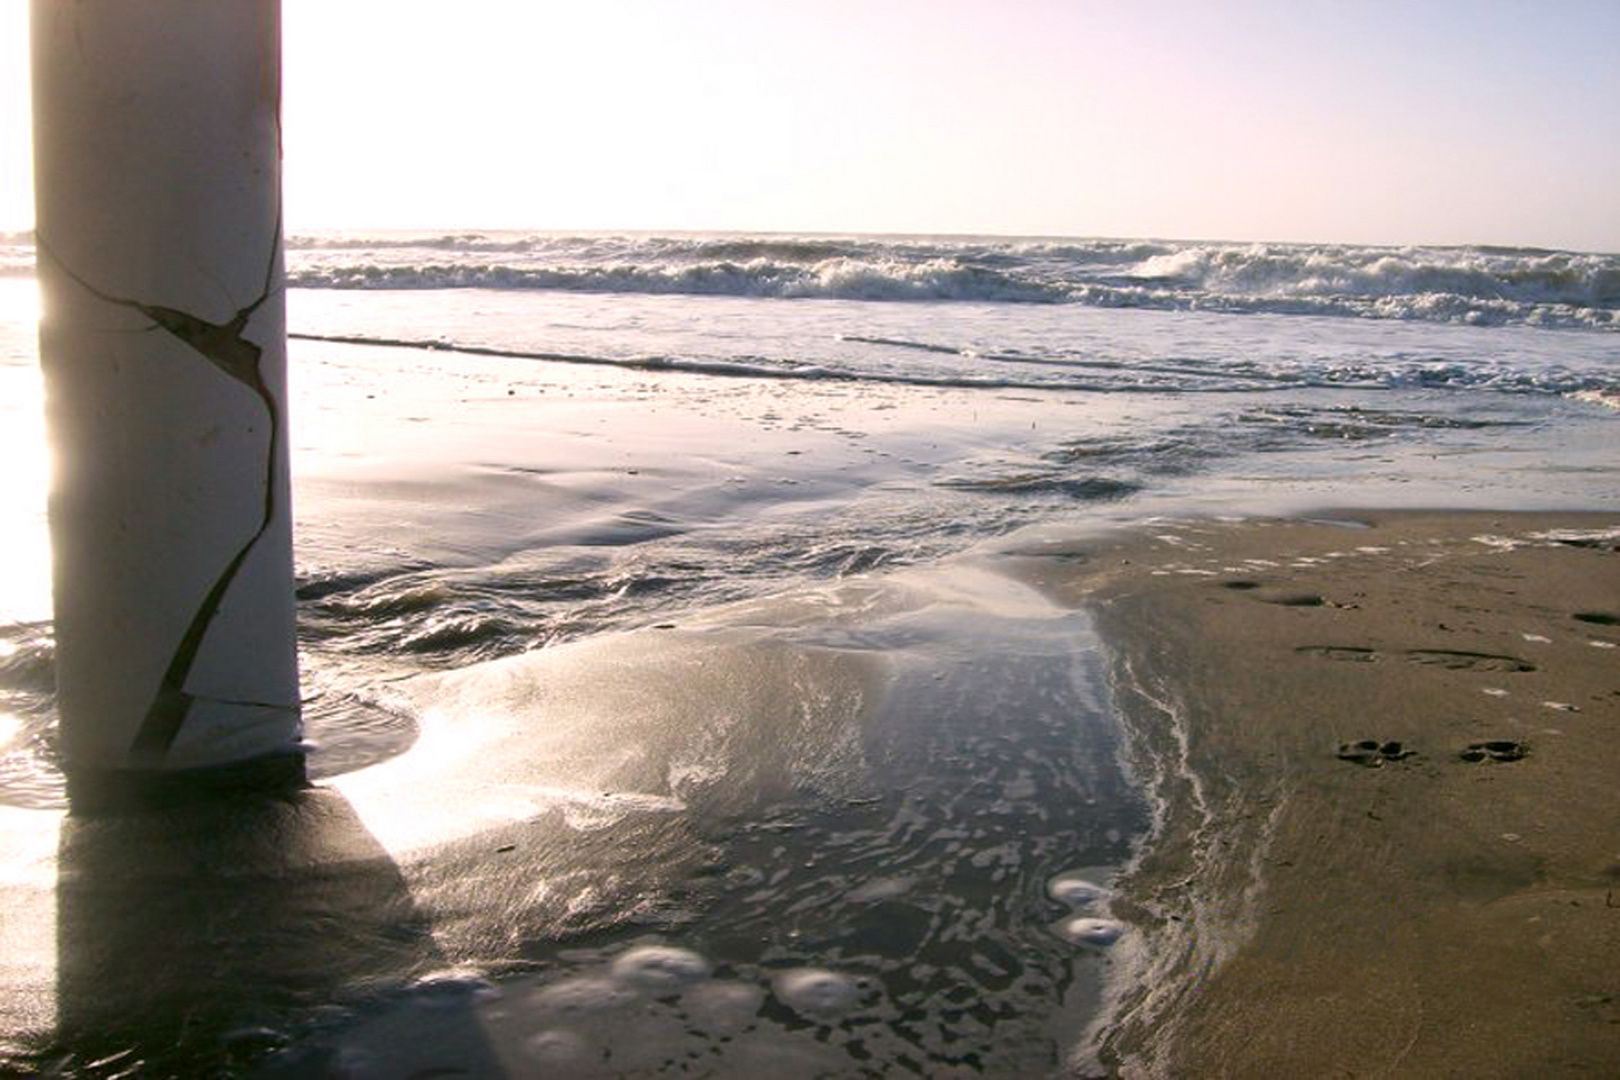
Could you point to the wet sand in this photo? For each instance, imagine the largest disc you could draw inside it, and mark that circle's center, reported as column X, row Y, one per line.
column 1395, row 911
column 1384, row 758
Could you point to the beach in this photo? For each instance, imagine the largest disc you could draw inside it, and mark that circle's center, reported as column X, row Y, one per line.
column 1377, row 747
column 871, row 657
column 1383, row 745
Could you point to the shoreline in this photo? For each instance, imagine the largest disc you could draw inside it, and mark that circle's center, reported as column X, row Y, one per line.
column 1381, row 749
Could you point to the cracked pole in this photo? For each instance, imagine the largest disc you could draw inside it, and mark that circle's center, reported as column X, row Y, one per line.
column 157, row 166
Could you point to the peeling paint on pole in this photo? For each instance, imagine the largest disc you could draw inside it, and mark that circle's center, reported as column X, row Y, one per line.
column 163, row 343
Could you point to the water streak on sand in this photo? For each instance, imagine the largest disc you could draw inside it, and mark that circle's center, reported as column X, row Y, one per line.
column 1193, row 924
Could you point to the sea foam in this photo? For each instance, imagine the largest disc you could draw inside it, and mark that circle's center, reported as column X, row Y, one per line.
column 1468, row 285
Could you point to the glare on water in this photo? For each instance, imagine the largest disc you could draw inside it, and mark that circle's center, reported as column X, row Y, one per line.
column 25, row 552
column 28, row 837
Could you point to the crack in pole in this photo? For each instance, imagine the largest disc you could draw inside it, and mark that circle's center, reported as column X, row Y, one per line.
column 222, row 345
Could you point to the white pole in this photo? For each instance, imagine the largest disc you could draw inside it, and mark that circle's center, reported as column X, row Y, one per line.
column 163, row 343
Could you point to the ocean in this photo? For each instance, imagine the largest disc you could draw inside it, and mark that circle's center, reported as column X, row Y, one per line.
column 864, row 404
column 513, row 452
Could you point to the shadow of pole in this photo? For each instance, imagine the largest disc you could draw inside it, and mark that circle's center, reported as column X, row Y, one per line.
column 191, row 939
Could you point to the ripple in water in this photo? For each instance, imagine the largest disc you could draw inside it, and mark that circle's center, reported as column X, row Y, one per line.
column 343, row 731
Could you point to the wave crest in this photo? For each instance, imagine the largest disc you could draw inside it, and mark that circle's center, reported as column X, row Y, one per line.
column 1487, row 286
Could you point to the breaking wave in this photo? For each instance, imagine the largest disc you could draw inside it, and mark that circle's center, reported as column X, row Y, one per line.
column 1482, row 286
column 1465, row 285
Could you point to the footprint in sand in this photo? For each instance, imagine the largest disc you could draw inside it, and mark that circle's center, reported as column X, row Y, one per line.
column 1494, row 750
column 1271, row 596
column 1467, row 661
column 1345, row 653
column 1371, row 753
column 1296, row 599
column 1444, row 658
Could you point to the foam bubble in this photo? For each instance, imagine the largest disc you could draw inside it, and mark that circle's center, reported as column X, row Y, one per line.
column 558, row 1047
column 1074, row 890
column 722, row 1008
column 451, row 988
column 658, row 968
column 585, row 994
column 1085, row 930
column 819, row 994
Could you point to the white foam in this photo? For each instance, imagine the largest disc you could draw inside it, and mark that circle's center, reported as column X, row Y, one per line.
column 1075, row 891
column 1086, row 930
column 819, row 994
column 450, row 987
column 660, row 968
column 1455, row 284
column 1566, row 536
column 583, row 995
column 1607, row 397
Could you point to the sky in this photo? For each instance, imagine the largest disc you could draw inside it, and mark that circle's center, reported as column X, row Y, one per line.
column 1361, row 121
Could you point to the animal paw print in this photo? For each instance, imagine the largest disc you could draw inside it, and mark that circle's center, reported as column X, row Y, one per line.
column 1371, row 753
column 1494, row 750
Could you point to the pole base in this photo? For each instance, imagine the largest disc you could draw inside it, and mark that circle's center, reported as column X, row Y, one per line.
column 98, row 792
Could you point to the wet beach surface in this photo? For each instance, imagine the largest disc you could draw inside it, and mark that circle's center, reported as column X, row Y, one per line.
column 1380, row 745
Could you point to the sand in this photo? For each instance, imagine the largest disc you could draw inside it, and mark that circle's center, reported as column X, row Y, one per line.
column 1385, row 757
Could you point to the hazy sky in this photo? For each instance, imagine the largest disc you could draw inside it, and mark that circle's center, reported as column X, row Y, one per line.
column 1418, row 121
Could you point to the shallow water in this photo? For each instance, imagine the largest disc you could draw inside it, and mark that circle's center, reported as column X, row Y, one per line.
column 860, row 876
